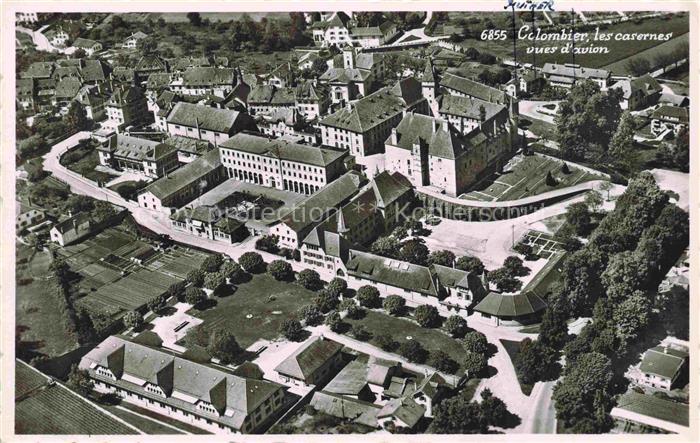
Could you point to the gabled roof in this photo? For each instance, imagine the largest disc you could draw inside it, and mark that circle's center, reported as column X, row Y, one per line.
column 344, row 75
column 502, row 305
column 308, row 358
column 345, row 407
column 671, row 113
column 469, row 107
column 135, row 148
column 310, row 91
column 577, row 71
column 389, row 187
column 205, row 76
column 339, row 19
column 405, row 409
column 138, row 35
column 351, row 380
column 646, row 84
column 80, row 222
column 654, row 407
column 472, row 88
column 68, row 87
column 282, row 149
column 208, row 118
column 158, row 80
column 268, row 94
column 125, row 94
column 377, row 107
column 166, row 186
column 84, row 43
column 392, row 272
column 441, row 139
column 39, row 70
column 663, row 361
column 151, row 62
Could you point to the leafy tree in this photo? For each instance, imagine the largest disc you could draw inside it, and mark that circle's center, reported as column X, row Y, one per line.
column 457, row 415
column 427, row 316
column 76, row 118
column 309, row 279
column 553, row 329
column 535, row 362
column 333, row 321
column 195, row 277
column 441, row 361
column 368, row 296
column 251, row 262
column 504, row 280
column 361, row 333
column 639, row 66
column 593, row 200
column 474, row 364
column 194, row 296
column 582, row 280
column 212, row 263
column 550, row 180
column 386, row 246
column 79, row 381
column 230, row 269
column 493, row 410
column 280, row 270
column 456, row 326
column 269, row 243
column 626, row 272
column 214, row 280
column 194, row 18
column 337, row 286
column 515, row 266
column 413, row 351
column 325, row 301
column 385, row 342
column 355, row 312
column 578, row 216
column 291, row 329
column 399, row 233
column 680, row 151
column 443, row 257
column 311, row 314
column 475, row 342
column 631, row 317
column 470, row 264
column 394, row 304
column 223, row 345
column 133, row 319
column 414, row 251
column 586, row 120
column 622, row 141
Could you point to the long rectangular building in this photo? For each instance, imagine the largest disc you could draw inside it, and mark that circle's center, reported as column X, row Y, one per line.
column 280, row 164
column 204, row 396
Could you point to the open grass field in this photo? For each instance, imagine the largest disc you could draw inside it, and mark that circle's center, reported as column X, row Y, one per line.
column 253, row 298
column 38, row 317
column 525, row 176
column 147, row 426
column 44, row 409
column 398, row 328
column 620, row 66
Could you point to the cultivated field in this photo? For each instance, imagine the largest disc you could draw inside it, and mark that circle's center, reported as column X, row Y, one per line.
column 268, row 302
column 620, row 66
column 525, row 176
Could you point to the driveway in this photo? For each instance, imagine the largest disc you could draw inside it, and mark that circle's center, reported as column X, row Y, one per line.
column 165, row 325
column 528, row 108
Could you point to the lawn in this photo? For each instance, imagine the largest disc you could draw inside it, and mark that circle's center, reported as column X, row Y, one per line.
column 378, row 323
column 147, row 426
column 302, row 422
column 525, row 176
column 512, row 348
column 620, row 66
column 38, row 317
column 162, row 418
column 539, row 127
column 86, row 165
column 268, row 302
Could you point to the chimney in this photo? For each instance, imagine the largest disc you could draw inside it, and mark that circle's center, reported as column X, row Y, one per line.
column 394, row 137
column 665, row 349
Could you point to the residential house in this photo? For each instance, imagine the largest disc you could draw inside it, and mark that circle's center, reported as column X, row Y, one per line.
column 156, row 84
column 66, row 90
column 126, row 107
column 147, row 65
column 314, row 362
column 282, row 76
column 89, row 46
column 56, row 36
column 26, row 17
column 204, row 396
column 204, row 80
column 531, row 82
column 363, row 127
column 566, row 75
column 150, row 158
column 400, row 413
column 662, row 367
column 268, row 98
column 339, row 30
column 39, row 70
column 161, row 107
column 669, row 118
column 280, row 164
column 206, row 123
column 93, row 101
column 132, row 41
column 346, row 407
column 74, row 228
column 311, row 99
column 29, row 218
column 26, row 93
column 639, row 93
column 184, row 184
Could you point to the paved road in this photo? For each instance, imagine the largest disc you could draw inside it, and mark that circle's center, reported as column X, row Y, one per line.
column 528, row 108
column 40, row 41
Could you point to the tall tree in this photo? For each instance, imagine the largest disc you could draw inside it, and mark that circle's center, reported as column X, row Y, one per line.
column 621, row 142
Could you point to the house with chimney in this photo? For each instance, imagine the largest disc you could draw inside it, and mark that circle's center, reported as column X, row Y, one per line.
column 73, row 229
column 151, row 158
column 206, row 396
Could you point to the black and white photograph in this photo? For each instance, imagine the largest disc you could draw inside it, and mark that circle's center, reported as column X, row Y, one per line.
column 366, row 222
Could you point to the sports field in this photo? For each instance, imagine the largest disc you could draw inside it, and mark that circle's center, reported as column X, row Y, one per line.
column 525, row 176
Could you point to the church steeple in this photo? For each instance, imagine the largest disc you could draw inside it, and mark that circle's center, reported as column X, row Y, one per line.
column 342, row 229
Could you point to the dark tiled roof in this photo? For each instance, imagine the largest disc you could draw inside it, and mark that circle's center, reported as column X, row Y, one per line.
column 39, row 70
column 339, row 19
column 392, row 272
column 158, row 80
column 343, row 75
column 665, row 362
column 472, row 88
column 268, row 94
column 443, row 141
column 125, row 95
column 500, row 305
column 671, row 112
column 654, row 407
column 468, row 107
column 185, row 175
column 205, row 76
column 388, row 188
column 351, row 380
column 82, row 222
column 569, row 70
column 233, row 396
column 345, row 407
column 308, row 358
column 84, row 43
column 151, row 62
column 282, row 149
column 68, row 88
column 24, row 87
column 136, row 149
column 309, row 91
column 405, row 409
column 377, row 107
column 208, row 118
